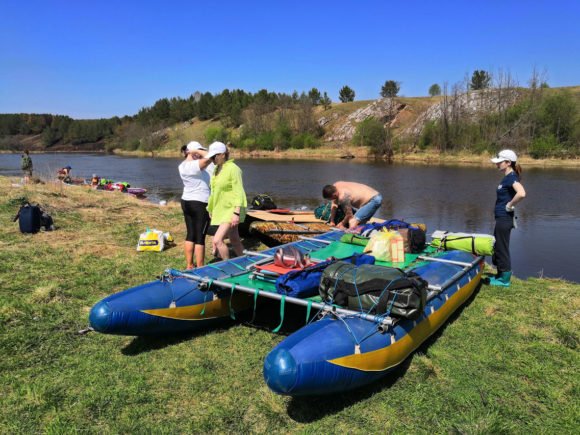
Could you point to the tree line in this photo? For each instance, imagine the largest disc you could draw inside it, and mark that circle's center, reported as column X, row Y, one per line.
column 527, row 119
column 55, row 128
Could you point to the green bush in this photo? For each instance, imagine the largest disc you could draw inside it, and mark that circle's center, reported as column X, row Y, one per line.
column 371, row 133
column 265, row 141
column 481, row 146
column 248, row 143
column 297, row 142
column 282, row 136
column 133, row 144
column 558, row 115
column 310, row 141
column 428, row 136
column 544, row 146
column 305, row 140
column 216, row 133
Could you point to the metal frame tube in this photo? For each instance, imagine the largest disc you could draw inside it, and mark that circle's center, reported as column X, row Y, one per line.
column 296, row 301
column 443, row 260
column 314, row 239
column 435, row 290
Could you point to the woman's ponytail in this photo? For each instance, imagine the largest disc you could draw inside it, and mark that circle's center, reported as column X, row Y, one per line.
column 517, row 169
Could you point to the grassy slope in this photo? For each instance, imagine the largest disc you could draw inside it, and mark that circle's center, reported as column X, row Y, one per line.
column 507, row 363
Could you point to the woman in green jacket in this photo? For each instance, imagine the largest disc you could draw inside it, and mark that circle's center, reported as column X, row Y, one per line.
column 227, row 202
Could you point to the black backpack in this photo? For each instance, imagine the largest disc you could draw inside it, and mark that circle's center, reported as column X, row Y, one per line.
column 31, row 218
column 263, row 202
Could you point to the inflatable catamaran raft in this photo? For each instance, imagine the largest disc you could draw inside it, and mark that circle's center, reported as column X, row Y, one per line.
column 362, row 319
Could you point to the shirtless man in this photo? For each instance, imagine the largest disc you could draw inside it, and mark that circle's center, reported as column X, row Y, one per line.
column 359, row 202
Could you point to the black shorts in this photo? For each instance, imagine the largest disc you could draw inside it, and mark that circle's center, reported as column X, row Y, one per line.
column 196, row 220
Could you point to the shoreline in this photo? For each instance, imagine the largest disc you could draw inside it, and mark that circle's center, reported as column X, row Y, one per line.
column 358, row 155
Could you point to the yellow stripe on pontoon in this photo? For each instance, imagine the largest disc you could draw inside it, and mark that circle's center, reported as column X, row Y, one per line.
column 390, row 356
column 213, row 309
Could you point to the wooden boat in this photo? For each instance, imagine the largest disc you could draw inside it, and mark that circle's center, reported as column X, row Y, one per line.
column 278, row 233
column 276, row 215
column 339, row 349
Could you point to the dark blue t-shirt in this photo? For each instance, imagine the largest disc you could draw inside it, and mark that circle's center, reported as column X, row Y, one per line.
column 505, row 193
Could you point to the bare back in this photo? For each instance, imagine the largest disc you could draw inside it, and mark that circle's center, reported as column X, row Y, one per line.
column 354, row 194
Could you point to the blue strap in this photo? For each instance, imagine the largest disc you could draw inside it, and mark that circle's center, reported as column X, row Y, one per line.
column 211, row 266
column 238, row 266
column 282, row 302
column 232, row 314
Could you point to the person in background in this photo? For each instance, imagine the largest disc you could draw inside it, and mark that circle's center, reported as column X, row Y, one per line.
column 359, row 202
column 95, row 181
column 26, row 166
column 509, row 193
column 196, row 180
column 63, row 174
column 227, row 202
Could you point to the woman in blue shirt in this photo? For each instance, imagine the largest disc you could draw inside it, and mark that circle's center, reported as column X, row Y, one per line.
column 509, row 192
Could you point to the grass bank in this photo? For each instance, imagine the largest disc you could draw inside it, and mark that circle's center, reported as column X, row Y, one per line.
column 508, row 362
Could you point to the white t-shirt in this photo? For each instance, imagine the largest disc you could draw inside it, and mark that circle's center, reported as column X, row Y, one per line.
column 210, row 168
column 195, row 181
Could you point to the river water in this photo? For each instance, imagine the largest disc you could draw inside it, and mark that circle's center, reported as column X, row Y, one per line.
column 452, row 198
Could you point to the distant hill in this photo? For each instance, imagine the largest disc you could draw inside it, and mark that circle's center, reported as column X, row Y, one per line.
column 502, row 117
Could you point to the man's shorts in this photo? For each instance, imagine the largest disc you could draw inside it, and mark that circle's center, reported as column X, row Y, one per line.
column 367, row 211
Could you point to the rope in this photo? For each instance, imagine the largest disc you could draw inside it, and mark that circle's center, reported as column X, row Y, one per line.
column 282, row 303
column 356, row 289
column 349, row 330
column 388, row 312
column 373, row 329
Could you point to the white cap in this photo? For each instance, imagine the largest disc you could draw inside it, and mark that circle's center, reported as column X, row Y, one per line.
column 193, row 146
column 215, row 149
column 504, row 155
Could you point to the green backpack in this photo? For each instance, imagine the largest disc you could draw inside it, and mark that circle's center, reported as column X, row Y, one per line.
column 323, row 212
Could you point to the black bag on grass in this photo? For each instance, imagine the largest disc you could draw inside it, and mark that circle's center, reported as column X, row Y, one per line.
column 31, row 218
column 377, row 289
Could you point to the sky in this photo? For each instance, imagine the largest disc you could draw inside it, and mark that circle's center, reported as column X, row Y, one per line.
column 98, row 59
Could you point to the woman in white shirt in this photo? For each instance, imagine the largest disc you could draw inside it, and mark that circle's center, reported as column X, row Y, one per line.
column 195, row 174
